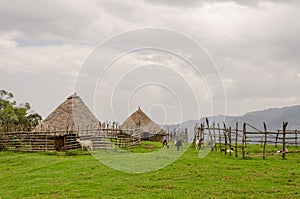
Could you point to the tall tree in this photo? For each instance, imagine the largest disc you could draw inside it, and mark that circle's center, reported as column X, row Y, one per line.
column 13, row 117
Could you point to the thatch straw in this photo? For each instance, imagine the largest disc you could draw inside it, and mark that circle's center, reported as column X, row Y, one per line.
column 71, row 115
column 140, row 120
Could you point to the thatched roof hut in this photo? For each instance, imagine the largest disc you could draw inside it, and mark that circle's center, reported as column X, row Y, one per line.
column 71, row 115
column 150, row 130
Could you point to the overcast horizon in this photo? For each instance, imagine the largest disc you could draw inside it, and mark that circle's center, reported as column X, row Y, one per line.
column 247, row 60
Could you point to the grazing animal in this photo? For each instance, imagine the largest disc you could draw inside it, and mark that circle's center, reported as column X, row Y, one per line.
column 230, row 150
column 165, row 143
column 174, row 142
column 282, row 151
column 197, row 145
column 85, row 144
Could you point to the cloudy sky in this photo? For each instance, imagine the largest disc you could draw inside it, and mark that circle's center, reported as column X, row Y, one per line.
column 178, row 60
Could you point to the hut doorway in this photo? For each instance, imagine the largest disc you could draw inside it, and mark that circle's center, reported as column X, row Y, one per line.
column 59, row 142
column 145, row 136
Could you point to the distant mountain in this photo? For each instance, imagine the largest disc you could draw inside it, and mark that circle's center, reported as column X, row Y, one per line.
column 273, row 118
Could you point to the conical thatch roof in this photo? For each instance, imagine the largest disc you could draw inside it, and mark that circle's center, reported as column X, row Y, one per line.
column 72, row 114
column 139, row 119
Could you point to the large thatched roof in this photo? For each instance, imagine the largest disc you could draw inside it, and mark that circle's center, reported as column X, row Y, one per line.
column 139, row 119
column 72, row 114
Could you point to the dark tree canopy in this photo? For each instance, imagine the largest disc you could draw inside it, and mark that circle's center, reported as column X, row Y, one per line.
column 15, row 117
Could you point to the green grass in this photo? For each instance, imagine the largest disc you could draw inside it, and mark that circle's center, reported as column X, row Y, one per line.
column 77, row 174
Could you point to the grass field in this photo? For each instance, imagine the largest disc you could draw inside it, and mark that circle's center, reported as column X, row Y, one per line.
column 78, row 174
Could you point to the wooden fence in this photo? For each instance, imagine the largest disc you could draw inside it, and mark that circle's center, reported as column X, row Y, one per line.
column 66, row 140
column 26, row 141
column 237, row 140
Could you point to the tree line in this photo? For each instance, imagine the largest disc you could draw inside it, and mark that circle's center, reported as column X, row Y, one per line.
column 14, row 117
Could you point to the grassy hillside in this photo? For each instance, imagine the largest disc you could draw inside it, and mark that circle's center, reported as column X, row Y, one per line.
column 79, row 175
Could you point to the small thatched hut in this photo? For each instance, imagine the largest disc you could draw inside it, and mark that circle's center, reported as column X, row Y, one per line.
column 149, row 129
column 70, row 117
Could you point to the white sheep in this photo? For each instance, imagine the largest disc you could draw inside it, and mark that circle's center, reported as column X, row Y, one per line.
column 197, row 144
column 281, row 151
column 230, row 150
column 85, row 144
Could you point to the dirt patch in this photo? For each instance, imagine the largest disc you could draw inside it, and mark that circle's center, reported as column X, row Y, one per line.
column 149, row 146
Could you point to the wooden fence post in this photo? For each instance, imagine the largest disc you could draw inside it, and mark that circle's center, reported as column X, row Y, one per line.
column 230, row 145
column 220, row 140
column 196, row 131
column 296, row 142
column 244, row 139
column 283, row 144
column 225, row 134
column 30, row 141
column 201, row 135
column 276, row 140
column 46, row 147
column 236, row 139
column 214, row 132
column 265, row 141
column 209, row 134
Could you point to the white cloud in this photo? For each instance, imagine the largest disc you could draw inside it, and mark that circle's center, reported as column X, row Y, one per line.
column 255, row 45
column 59, row 59
column 7, row 40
